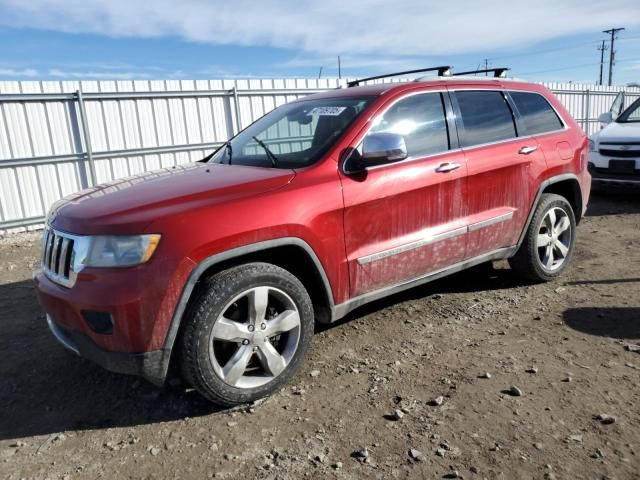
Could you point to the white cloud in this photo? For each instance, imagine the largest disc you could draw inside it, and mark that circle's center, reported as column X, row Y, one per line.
column 404, row 27
column 13, row 72
column 95, row 75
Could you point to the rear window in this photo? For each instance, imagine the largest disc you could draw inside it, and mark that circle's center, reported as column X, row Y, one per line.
column 536, row 113
column 486, row 117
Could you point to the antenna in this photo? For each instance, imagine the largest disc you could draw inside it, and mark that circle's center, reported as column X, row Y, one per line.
column 497, row 72
column 443, row 70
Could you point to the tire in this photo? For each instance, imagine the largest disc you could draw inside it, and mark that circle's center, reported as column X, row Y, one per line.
column 246, row 333
column 536, row 260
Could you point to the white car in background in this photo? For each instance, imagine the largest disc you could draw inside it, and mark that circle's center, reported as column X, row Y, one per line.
column 614, row 151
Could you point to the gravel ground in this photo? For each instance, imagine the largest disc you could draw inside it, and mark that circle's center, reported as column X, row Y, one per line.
column 474, row 376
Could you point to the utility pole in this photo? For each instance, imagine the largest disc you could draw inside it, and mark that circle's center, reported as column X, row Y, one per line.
column 339, row 68
column 612, row 53
column 320, row 73
column 602, row 48
column 486, row 67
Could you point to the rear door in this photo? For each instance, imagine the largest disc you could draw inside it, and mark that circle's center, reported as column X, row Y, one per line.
column 537, row 118
column 501, row 169
column 405, row 219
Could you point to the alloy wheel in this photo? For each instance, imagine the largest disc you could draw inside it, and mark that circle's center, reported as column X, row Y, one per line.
column 554, row 239
column 255, row 337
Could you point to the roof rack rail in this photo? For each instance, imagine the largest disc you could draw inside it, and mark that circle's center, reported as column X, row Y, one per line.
column 497, row 72
column 443, row 70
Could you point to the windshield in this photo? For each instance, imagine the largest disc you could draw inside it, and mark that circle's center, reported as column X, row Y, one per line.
column 631, row 114
column 294, row 135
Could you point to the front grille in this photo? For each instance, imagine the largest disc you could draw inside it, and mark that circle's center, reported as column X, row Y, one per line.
column 57, row 257
column 620, row 153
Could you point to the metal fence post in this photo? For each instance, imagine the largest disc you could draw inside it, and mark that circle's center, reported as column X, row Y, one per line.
column 588, row 109
column 87, row 138
column 236, row 106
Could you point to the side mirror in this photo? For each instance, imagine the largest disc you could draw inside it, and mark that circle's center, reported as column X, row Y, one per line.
column 381, row 148
column 376, row 149
column 605, row 118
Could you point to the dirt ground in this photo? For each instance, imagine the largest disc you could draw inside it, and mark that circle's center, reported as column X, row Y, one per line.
column 567, row 346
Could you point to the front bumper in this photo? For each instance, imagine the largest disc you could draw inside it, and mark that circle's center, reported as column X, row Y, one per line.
column 603, row 171
column 604, row 175
column 150, row 365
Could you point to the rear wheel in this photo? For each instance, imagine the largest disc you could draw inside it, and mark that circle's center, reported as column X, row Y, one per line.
column 548, row 244
column 246, row 333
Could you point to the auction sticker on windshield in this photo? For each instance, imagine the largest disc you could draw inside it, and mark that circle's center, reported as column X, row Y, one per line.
column 327, row 111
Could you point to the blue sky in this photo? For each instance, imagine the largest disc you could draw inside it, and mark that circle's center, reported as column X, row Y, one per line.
column 546, row 40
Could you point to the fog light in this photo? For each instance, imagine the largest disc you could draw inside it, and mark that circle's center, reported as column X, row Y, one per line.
column 99, row 322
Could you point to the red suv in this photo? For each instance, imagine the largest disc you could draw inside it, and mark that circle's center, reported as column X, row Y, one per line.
column 222, row 267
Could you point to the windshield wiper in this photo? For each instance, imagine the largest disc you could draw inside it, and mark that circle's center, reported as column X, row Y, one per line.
column 270, row 155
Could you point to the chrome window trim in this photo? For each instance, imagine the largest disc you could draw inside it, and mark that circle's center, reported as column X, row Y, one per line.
column 456, row 118
column 472, row 227
column 505, row 91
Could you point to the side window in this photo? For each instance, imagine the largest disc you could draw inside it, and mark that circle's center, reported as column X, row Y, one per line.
column 486, row 117
column 421, row 120
column 536, row 113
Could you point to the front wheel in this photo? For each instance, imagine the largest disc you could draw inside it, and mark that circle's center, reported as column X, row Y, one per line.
column 246, row 333
column 548, row 243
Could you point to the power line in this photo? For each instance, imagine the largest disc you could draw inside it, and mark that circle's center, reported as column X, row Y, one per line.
column 570, row 67
column 612, row 52
column 559, row 49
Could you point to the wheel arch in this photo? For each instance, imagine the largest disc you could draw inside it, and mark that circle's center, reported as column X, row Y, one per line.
column 566, row 185
column 291, row 253
column 568, row 188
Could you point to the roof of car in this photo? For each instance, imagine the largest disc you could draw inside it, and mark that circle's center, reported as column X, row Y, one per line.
column 382, row 88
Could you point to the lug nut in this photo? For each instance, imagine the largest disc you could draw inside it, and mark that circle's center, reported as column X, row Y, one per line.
column 263, row 326
column 245, row 342
column 251, row 328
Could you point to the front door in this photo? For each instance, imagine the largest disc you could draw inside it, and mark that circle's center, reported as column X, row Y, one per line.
column 403, row 220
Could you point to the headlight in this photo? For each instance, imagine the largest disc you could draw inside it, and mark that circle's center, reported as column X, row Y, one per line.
column 120, row 251
column 592, row 146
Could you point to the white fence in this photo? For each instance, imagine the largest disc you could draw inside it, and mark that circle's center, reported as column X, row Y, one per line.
column 59, row 137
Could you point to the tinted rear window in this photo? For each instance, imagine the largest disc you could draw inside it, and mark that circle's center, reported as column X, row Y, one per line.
column 536, row 113
column 486, row 117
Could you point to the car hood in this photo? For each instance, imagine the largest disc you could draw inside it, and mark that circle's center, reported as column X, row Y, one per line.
column 619, row 132
column 129, row 205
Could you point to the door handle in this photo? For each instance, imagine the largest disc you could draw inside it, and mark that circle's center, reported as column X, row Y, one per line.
column 447, row 167
column 527, row 150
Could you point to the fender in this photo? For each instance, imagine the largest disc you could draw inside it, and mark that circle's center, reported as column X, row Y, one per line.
column 534, row 204
column 197, row 272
